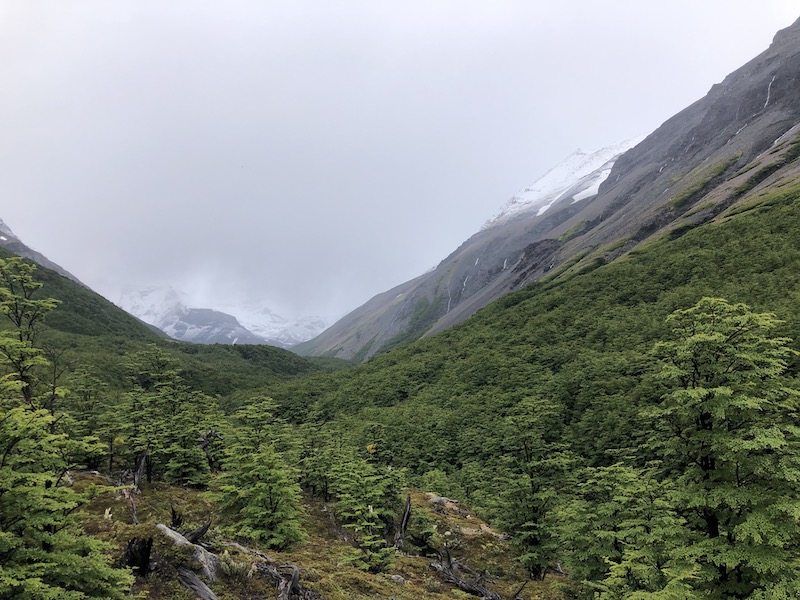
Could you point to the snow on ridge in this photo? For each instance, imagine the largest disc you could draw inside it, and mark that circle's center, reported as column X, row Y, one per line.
column 266, row 323
column 580, row 174
column 163, row 307
column 154, row 305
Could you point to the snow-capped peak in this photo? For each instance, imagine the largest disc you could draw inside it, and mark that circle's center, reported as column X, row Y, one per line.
column 165, row 308
column 155, row 305
column 579, row 176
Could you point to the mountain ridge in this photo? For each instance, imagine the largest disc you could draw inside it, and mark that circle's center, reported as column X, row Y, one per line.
column 651, row 189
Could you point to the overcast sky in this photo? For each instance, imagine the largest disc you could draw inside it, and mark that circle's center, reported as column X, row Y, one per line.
column 313, row 153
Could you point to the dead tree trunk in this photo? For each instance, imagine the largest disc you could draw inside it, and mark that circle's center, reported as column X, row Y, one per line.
column 400, row 536
column 448, row 569
column 137, row 555
column 126, row 493
column 139, row 471
column 209, row 562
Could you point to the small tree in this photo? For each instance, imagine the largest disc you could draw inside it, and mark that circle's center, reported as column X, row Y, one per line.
column 528, row 480
column 165, row 421
column 367, row 500
column 729, row 436
column 261, row 496
column 257, row 491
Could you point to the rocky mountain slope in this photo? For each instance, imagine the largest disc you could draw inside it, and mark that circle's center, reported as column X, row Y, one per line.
column 741, row 134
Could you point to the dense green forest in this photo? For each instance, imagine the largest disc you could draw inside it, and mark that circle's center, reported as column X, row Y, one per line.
column 631, row 428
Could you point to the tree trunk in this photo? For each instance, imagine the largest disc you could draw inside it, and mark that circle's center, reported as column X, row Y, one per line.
column 400, row 536
column 138, row 472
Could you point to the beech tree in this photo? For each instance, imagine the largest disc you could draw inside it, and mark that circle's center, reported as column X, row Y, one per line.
column 728, row 431
column 26, row 313
column 165, row 421
column 257, row 490
column 528, row 480
column 43, row 551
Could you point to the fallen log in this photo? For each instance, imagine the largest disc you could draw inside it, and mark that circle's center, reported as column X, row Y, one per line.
column 192, row 582
column 209, row 562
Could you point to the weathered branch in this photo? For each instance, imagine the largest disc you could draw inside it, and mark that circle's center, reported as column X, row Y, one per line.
column 138, row 473
column 288, row 584
column 126, row 493
column 447, row 568
column 194, row 536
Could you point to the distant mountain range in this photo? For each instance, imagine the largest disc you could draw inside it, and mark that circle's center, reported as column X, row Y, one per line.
column 595, row 207
column 592, row 209
column 164, row 308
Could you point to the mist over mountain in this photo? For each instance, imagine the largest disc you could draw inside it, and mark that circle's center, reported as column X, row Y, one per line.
column 609, row 407
column 164, row 308
column 594, row 207
column 12, row 243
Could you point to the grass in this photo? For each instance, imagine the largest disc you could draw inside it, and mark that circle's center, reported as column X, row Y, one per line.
column 701, row 181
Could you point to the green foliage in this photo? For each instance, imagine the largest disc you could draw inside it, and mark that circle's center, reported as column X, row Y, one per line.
column 260, row 497
column 423, row 315
column 762, row 174
column 527, row 488
column 257, row 491
column 25, row 313
column 729, row 436
column 367, row 501
column 621, row 534
column 43, row 552
column 164, row 421
column 702, row 180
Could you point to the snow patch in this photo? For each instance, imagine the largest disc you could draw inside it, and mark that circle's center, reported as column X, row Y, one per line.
column 593, row 188
column 578, row 177
column 164, row 308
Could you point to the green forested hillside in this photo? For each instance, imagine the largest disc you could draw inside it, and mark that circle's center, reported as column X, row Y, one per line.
column 629, row 432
